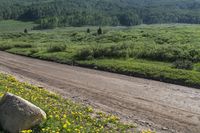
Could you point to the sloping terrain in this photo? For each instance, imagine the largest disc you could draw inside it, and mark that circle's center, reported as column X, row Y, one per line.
column 101, row 12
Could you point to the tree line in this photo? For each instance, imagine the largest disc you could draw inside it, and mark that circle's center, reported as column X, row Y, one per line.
column 53, row 13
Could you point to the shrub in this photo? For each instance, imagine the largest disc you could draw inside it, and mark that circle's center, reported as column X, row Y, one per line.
column 5, row 46
column 99, row 31
column 102, row 51
column 85, row 53
column 25, row 31
column 33, row 51
column 183, row 64
column 197, row 67
column 56, row 48
column 23, row 45
column 88, row 30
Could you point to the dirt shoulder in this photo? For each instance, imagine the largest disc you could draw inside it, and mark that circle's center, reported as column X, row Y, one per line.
column 150, row 104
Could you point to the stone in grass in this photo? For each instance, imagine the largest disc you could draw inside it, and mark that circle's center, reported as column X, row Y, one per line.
column 17, row 114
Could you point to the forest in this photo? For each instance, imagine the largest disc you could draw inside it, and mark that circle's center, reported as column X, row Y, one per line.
column 58, row 13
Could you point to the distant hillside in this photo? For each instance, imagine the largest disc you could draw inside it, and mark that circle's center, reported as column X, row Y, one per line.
column 52, row 13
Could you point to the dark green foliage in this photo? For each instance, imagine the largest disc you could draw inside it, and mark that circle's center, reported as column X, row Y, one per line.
column 56, row 48
column 25, row 31
column 22, row 45
column 85, row 54
column 50, row 14
column 5, row 46
column 183, row 64
column 100, row 51
column 88, row 30
column 99, row 31
column 47, row 23
column 197, row 67
column 129, row 19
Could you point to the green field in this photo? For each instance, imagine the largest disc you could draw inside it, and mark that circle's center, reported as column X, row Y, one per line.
column 63, row 116
column 167, row 52
column 15, row 26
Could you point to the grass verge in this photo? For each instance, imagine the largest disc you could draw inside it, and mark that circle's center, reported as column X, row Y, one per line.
column 63, row 116
column 146, row 69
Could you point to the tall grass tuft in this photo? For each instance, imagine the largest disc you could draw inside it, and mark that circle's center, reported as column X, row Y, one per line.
column 56, row 48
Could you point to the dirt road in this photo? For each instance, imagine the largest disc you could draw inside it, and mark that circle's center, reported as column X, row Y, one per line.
column 151, row 104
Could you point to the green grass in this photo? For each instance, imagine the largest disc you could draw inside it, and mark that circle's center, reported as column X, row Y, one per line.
column 148, row 51
column 63, row 116
column 15, row 26
column 146, row 69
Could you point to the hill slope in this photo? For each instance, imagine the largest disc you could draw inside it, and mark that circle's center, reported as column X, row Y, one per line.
column 101, row 12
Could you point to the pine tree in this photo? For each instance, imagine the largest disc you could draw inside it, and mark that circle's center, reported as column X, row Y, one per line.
column 99, row 31
column 25, row 31
column 88, row 30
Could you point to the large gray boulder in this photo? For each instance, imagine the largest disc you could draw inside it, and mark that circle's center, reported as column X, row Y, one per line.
column 17, row 114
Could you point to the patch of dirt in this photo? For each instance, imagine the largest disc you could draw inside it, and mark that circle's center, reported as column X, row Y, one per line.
column 167, row 108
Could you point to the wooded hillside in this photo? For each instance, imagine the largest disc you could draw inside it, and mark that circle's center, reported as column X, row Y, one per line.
column 52, row 13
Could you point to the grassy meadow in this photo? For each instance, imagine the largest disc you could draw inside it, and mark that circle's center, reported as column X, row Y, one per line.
column 167, row 52
column 15, row 26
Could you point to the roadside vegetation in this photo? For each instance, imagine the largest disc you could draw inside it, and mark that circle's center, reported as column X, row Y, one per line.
column 167, row 52
column 63, row 116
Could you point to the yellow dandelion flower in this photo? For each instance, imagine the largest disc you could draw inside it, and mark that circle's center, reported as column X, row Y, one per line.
column 65, row 126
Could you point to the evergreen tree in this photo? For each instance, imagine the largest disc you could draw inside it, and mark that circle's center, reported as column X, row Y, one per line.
column 88, row 30
column 25, row 31
column 99, row 31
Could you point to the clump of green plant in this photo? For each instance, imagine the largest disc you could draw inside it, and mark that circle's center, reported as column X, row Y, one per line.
column 183, row 64
column 56, row 48
column 23, row 45
column 197, row 67
column 102, row 51
column 5, row 46
column 85, row 54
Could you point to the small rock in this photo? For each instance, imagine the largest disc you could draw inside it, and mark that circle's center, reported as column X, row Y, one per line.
column 164, row 128
column 40, row 86
column 17, row 114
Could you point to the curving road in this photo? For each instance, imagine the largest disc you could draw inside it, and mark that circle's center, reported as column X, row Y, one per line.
column 151, row 104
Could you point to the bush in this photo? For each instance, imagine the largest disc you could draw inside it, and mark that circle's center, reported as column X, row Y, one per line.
column 4, row 47
column 85, row 54
column 197, row 67
column 23, row 46
column 183, row 64
column 25, row 31
column 99, row 31
column 56, row 48
column 100, row 51
column 33, row 51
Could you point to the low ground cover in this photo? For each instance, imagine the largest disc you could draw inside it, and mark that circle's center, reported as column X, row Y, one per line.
column 15, row 26
column 63, row 116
